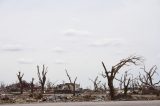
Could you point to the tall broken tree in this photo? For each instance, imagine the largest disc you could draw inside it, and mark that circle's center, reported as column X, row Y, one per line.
column 72, row 83
column 111, row 75
column 20, row 81
column 95, row 83
column 32, row 85
column 42, row 77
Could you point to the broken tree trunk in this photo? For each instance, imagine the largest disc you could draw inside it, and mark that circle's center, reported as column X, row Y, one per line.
column 20, row 81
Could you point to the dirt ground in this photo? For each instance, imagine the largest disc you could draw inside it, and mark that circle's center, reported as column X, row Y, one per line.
column 54, row 98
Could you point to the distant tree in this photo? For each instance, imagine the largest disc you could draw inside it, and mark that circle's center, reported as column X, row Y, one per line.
column 120, row 82
column 50, row 85
column 95, row 83
column 20, row 81
column 32, row 85
column 42, row 77
column 137, row 84
column 72, row 83
column 147, row 79
column 125, row 81
column 2, row 86
column 104, row 86
column 110, row 75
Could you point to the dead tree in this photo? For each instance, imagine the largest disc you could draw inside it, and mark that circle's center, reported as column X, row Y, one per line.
column 50, row 85
column 147, row 79
column 72, row 83
column 110, row 75
column 2, row 86
column 32, row 85
column 121, row 82
column 20, row 81
column 104, row 87
column 137, row 84
column 125, row 82
column 96, row 83
column 42, row 77
column 133, row 83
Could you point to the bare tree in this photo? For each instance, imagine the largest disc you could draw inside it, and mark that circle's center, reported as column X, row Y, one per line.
column 42, row 77
column 32, row 85
column 120, row 82
column 2, row 87
column 147, row 79
column 73, row 83
column 110, row 75
column 96, row 83
column 20, row 81
column 133, row 82
column 50, row 85
column 125, row 81
column 103, row 87
column 137, row 84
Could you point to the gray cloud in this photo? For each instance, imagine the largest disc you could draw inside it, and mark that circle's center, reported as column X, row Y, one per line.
column 75, row 32
column 58, row 50
column 25, row 61
column 59, row 62
column 12, row 47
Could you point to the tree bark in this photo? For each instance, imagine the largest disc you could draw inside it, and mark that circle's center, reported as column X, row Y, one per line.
column 42, row 89
column 125, row 91
column 21, row 87
column 74, row 93
column 111, row 91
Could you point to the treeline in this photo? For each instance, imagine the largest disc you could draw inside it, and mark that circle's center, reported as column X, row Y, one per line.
column 143, row 80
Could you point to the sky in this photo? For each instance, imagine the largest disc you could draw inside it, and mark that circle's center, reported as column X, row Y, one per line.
column 76, row 35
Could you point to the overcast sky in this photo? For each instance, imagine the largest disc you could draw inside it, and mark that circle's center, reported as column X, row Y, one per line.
column 76, row 35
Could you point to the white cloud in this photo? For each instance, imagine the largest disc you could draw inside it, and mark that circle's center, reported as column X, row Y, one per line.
column 75, row 32
column 25, row 61
column 108, row 42
column 12, row 47
column 60, row 62
column 58, row 50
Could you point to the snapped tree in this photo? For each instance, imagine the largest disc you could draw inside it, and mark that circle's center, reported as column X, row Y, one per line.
column 72, row 83
column 111, row 74
column 32, row 85
column 42, row 77
column 20, row 81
